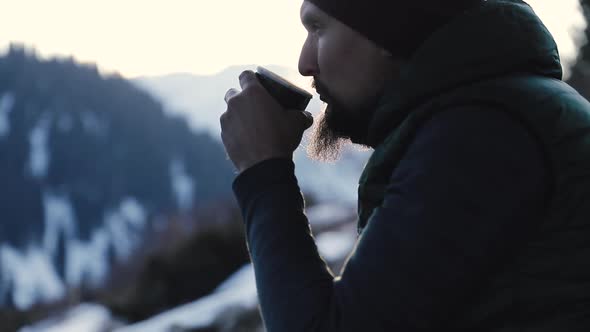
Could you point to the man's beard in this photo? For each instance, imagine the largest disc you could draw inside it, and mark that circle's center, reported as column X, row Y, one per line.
column 338, row 126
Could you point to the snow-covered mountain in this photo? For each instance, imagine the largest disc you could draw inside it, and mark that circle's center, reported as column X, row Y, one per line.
column 92, row 162
column 87, row 162
column 200, row 100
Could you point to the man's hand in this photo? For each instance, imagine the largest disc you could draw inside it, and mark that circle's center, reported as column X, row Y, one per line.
column 255, row 127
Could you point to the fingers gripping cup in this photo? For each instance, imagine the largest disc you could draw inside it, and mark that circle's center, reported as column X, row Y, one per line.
column 286, row 93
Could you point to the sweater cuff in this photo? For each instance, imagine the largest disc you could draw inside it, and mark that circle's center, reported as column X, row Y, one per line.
column 261, row 176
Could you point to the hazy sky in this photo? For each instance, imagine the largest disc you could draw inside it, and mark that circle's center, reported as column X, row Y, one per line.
column 151, row 37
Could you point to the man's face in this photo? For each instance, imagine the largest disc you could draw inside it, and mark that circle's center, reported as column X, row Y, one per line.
column 349, row 73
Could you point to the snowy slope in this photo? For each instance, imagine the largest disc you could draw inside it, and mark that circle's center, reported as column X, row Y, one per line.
column 236, row 294
column 30, row 276
column 87, row 162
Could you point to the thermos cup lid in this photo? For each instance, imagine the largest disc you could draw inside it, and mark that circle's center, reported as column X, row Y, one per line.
column 286, row 93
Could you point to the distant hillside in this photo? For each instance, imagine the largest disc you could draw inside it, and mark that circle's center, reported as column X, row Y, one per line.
column 199, row 99
column 86, row 163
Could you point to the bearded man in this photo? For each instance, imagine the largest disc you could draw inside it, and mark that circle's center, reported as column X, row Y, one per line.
column 474, row 208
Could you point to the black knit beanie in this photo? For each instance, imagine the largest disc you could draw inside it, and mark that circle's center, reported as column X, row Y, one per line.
column 399, row 26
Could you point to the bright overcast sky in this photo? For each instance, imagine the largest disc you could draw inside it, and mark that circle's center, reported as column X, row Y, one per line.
column 152, row 37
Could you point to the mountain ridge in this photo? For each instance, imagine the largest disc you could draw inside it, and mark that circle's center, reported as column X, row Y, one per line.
column 88, row 162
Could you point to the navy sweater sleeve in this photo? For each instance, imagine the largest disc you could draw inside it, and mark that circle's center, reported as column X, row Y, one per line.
column 469, row 189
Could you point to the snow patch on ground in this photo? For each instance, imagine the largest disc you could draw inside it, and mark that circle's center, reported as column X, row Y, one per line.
column 88, row 262
column 83, row 318
column 183, row 185
column 6, row 105
column 31, row 276
column 59, row 220
column 39, row 155
column 124, row 225
column 238, row 290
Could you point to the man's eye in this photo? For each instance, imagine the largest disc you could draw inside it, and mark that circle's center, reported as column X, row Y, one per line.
column 315, row 27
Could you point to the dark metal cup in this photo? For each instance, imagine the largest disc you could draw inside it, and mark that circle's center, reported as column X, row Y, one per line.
column 286, row 93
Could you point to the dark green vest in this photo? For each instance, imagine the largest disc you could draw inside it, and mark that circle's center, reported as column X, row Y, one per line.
column 500, row 55
column 551, row 272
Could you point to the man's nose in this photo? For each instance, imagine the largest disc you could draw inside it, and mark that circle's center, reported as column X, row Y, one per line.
column 308, row 65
